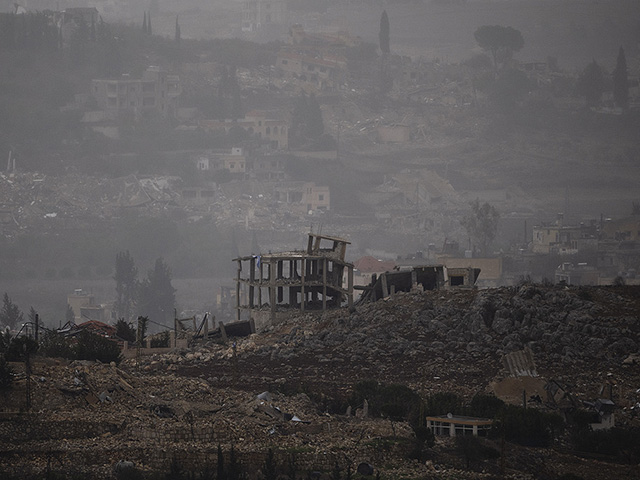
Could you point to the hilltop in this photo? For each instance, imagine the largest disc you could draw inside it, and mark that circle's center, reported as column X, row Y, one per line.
column 178, row 407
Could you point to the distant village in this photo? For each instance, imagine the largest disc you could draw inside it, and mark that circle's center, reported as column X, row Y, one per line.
column 250, row 186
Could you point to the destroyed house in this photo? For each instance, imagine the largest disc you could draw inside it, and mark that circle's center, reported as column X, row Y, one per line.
column 308, row 280
column 428, row 277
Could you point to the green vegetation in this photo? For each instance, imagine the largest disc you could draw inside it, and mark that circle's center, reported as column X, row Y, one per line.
column 501, row 42
column 526, row 426
column 125, row 330
column 383, row 34
column 157, row 296
column 6, row 374
column 396, row 402
column 90, row 346
column 482, row 224
column 10, row 315
column 621, row 81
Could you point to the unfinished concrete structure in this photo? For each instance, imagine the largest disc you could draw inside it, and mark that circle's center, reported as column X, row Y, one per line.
column 428, row 277
column 459, row 425
column 305, row 280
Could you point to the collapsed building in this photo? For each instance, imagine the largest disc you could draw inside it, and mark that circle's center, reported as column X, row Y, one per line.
column 304, row 280
column 268, row 285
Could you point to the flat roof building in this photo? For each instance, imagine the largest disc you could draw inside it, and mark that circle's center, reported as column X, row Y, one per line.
column 459, row 425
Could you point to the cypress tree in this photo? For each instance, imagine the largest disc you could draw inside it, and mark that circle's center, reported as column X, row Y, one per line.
column 383, row 35
column 144, row 24
column 620, row 82
column 177, row 38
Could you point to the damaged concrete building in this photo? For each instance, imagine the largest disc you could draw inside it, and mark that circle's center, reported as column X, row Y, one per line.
column 312, row 279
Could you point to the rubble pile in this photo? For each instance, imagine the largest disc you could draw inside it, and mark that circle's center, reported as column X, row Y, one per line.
column 287, row 388
column 448, row 340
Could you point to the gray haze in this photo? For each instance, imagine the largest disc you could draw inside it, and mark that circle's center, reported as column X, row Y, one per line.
column 410, row 140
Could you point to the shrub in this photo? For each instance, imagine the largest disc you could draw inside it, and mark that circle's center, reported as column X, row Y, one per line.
column 6, row 374
column 618, row 442
column 56, row 345
column 526, row 426
column 90, row 346
column 18, row 347
column 125, row 331
column 443, row 403
column 394, row 401
column 485, row 406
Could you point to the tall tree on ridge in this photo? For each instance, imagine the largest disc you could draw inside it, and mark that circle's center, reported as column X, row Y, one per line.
column 177, row 37
column 383, row 35
column 126, row 277
column 501, row 41
column 157, row 296
column 620, row 82
column 10, row 315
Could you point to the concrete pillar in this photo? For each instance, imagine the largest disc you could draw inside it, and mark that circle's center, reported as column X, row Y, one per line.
column 324, row 284
column 452, row 430
column 350, row 286
column 238, row 291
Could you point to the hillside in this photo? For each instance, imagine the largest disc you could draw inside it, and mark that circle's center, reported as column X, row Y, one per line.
column 180, row 406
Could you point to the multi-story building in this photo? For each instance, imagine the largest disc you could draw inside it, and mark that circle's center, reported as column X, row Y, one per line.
column 303, row 197
column 258, row 14
column 563, row 239
column 157, row 91
column 257, row 123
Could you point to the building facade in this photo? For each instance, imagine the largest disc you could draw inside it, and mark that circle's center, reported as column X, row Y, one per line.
column 157, row 91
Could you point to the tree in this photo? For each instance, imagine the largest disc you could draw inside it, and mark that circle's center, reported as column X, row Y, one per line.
column 177, row 35
column 126, row 285
column 222, row 473
column 144, row 24
column 125, row 330
column 157, row 295
column 482, row 224
column 10, row 315
column 620, row 82
column 6, row 374
column 591, row 84
column 502, row 42
column 234, row 470
column 383, row 35
column 270, row 469
column 90, row 346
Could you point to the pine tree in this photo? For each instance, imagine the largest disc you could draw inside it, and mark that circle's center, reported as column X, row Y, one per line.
column 10, row 315
column 620, row 81
column 221, row 472
column 157, row 297
column 126, row 277
column 234, row 470
column 270, row 469
column 383, row 35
